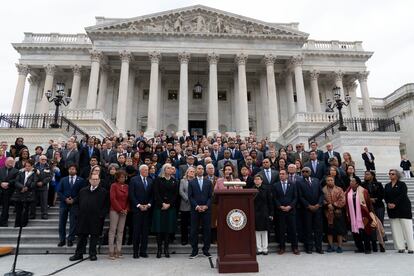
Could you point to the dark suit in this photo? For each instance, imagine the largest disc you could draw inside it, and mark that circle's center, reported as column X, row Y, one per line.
column 235, row 154
column 198, row 197
column 369, row 165
column 285, row 221
column 106, row 156
column 50, row 153
column 320, row 171
column 9, row 176
column 335, row 154
column 138, row 194
column 273, row 180
column 70, row 157
column 311, row 194
column 67, row 190
column 305, row 157
column 85, row 156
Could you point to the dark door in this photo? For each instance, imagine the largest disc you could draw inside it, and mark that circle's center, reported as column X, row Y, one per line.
column 198, row 126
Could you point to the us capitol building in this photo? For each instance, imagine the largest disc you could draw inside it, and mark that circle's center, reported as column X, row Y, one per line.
column 199, row 68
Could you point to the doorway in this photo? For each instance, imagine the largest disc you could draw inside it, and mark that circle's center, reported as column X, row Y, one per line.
column 199, row 126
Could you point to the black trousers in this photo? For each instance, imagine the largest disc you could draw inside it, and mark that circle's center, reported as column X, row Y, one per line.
column 205, row 218
column 5, row 196
column 22, row 213
column 82, row 241
column 141, row 220
column 185, row 225
column 370, row 166
column 40, row 198
column 313, row 229
column 286, row 222
column 362, row 241
column 300, row 224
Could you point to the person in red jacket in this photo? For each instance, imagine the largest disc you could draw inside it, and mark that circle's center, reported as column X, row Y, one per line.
column 118, row 213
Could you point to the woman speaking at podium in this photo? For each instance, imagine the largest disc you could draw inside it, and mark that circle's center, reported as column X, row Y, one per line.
column 229, row 175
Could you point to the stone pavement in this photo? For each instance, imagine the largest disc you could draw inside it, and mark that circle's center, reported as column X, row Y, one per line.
column 348, row 263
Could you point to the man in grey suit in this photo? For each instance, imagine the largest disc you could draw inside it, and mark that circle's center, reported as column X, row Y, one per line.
column 220, row 164
column 106, row 154
column 70, row 155
column 269, row 175
column 301, row 154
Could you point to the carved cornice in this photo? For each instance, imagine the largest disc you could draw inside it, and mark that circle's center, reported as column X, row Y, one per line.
column 363, row 76
column 50, row 69
column 241, row 59
column 338, row 76
column 155, row 57
column 296, row 61
column 213, row 58
column 184, row 57
column 22, row 69
column 269, row 59
column 314, row 74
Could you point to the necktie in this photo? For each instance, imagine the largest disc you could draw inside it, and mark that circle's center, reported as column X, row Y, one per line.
column 90, row 152
column 269, row 176
column 200, row 183
column 71, row 181
column 290, row 178
column 309, row 182
column 330, row 154
column 284, row 187
column 145, row 183
column 314, row 165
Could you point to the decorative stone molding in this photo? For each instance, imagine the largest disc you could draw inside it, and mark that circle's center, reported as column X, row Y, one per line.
column 314, row 74
column 125, row 56
column 241, row 59
column 77, row 70
column 338, row 75
column 22, row 69
column 96, row 56
column 296, row 61
column 184, row 57
column 363, row 76
column 213, row 58
column 155, row 57
column 269, row 59
column 50, row 69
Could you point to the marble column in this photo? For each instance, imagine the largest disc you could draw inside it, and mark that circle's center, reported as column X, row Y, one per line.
column 121, row 111
column 272, row 103
column 32, row 96
column 363, row 78
column 289, row 94
column 297, row 62
column 103, row 84
column 243, row 114
column 22, row 70
column 316, row 101
column 132, row 122
column 96, row 58
column 152, row 123
column 213, row 112
column 264, row 102
column 353, row 106
column 184, row 59
column 50, row 70
column 76, row 85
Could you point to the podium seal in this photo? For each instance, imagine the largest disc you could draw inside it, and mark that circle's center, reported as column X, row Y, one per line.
column 236, row 219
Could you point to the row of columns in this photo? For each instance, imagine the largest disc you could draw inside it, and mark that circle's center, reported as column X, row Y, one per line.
column 99, row 78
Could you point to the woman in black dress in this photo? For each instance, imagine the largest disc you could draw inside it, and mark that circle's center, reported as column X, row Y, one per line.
column 164, row 221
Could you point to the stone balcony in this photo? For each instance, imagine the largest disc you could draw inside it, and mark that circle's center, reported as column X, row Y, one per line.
column 334, row 45
column 56, row 38
column 93, row 121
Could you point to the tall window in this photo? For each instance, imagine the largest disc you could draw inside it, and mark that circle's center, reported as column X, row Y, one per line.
column 172, row 95
column 145, row 94
column 222, row 95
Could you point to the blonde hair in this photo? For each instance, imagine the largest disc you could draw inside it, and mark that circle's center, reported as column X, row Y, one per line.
column 186, row 172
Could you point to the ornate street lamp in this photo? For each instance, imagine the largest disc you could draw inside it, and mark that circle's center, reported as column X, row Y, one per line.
column 338, row 104
column 198, row 88
column 58, row 99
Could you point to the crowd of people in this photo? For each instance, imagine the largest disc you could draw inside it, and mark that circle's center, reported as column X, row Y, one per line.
column 144, row 186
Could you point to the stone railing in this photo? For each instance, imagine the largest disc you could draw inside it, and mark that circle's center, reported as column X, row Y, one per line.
column 333, row 45
column 314, row 117
column 405, row 89
column 56, row 38
column 89, row 114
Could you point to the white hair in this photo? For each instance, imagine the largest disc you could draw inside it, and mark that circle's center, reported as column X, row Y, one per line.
column 162, row 171
column 143, row 166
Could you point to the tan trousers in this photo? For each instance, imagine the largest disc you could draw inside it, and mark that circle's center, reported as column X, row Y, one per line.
column 402, row 233
column 116, row 225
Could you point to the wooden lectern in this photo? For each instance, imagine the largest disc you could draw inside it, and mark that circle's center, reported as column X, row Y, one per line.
column 236, row 239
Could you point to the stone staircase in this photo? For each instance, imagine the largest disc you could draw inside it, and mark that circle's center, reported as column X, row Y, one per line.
column 41, row 236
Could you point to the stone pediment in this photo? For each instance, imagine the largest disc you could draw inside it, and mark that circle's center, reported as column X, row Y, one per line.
column 197, row 21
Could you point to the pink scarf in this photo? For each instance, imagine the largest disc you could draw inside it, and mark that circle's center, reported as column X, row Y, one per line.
column 356, row 219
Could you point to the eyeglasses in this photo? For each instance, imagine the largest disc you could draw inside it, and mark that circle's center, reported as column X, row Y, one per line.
column 391, row 173
column 305, row 171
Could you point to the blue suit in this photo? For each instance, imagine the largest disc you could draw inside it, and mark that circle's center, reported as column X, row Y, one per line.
column 198, row 197
column 66, row 190
column 139, row 194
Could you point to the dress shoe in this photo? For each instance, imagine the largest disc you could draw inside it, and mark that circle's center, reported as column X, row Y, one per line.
column 410, row 252
column 339, row 249
column 320, row 251
column 143, row 255
column 367, row 251
column 184, row 243
column 207, row 254
column 70, row 243
column 61, row 243
column 358, row 251
column 308, row 251
column 265, row 253
column 44, row 217
column 4, row 224
column 401, row 251
column 330, row 249
column 281, row 251
column 75, row 258
column 159, row 252
column 259, row 253
column 382, row 249
column 32, row 217
column 135, row 256
column 93, row 257
column 295, row 251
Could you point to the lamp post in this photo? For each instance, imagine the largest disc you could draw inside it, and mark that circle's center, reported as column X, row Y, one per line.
column 58, row 99
column 338, row 104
